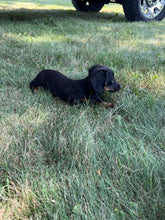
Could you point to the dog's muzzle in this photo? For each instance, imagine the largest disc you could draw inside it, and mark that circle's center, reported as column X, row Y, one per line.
column 114, row 87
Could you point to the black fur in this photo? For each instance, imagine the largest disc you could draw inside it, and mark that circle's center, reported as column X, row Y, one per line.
column 99, row 79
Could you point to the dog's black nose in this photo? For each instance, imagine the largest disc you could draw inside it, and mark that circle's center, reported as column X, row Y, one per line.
column 119, row 86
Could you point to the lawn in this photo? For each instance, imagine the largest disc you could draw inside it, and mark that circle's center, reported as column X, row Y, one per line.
column 81, row 162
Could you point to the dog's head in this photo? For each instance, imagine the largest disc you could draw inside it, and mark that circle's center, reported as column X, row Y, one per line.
column 102, row 79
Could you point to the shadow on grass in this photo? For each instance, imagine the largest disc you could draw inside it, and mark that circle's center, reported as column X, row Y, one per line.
column 29, row 15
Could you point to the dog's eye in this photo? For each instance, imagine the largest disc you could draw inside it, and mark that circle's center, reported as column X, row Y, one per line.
column 113, row 80
column 108, row 83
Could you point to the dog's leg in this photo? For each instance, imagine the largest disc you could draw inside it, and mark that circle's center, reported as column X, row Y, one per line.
column 38, row 82
column 35, row 90
column 108, row 105
column 34, row 86
column 96, row 98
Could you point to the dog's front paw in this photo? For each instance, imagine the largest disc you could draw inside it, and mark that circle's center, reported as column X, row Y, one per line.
column 109, row 105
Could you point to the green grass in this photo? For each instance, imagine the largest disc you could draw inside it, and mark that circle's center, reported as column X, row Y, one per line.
column 70, row 162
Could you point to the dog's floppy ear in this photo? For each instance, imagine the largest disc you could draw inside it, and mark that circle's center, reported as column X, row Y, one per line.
column 97, row 78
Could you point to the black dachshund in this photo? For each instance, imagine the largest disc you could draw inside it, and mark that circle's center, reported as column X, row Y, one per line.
column 99, row 79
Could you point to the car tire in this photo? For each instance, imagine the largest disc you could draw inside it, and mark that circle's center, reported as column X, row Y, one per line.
column 88, row 5
column 144, row 10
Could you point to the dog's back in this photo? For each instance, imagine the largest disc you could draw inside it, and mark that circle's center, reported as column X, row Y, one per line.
column 47, row 79
column 61, row 86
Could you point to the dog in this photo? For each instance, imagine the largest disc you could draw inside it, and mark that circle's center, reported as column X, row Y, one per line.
column 100, row 78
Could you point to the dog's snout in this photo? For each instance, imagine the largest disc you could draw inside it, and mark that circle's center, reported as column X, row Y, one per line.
column 119, row 86
column 113, row 87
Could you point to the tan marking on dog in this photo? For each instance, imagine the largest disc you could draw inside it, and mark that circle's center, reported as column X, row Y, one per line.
column 37, row 89
column 107, row 89
column 108, row 105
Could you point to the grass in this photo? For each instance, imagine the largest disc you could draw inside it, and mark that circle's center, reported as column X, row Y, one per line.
column 70, row 162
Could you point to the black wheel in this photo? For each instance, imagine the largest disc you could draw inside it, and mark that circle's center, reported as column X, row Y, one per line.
column 144, row 10
column 88, row 5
